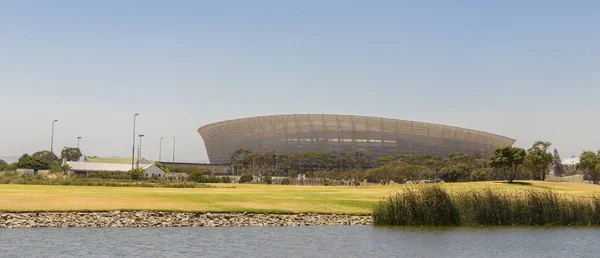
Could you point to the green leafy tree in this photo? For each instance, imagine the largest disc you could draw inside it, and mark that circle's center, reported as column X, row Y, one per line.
column 70, row 154
column 3, row 165
column 136, row 174
column 508, row 159
column 538, row 160
column 47, row 155
column 463, row 162
column 385, row 174
column 198, row 175
column 559, row 168
column 56, row 168
column 451, row 174
column 35, row 163
column 589, row 162
column 481, row 174
column 414, row 173
column 435, row 164
column 238, row 158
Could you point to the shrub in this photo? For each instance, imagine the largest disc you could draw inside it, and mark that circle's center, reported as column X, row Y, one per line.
column 285, row 181
column 268, row 180
column 104, row 174
column 246, row 178
column 226, row 179
column 213, row 179
column 197, row 176
column 17, row 178
column 136, row 174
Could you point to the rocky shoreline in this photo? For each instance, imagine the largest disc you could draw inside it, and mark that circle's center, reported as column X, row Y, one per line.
column 173, row 219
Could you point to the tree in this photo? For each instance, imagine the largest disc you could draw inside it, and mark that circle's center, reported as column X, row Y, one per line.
column 589, row 162
column 538, row 160
column 464, row 163
column 197, row 175
column 35, row 163
column 136, row 174
column 70, row 154
column 56, row 168
column 392, row 171
column 261, row 165
column 508, row 159
column 3, row 165
column 47, row 155
column 414, row 173
column 238, row 158
column 435, row 164
column 481, row 174
column 559, row 168
column 451, row 174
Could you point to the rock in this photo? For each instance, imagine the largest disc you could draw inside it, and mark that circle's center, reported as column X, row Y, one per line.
column 173, row 219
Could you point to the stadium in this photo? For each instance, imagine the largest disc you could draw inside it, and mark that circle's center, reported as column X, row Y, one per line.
column 378, row 137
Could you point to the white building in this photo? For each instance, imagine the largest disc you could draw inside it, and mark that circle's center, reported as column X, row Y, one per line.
column 91, row 168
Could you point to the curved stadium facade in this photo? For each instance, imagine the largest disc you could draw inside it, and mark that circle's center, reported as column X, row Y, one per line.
column 378, row 137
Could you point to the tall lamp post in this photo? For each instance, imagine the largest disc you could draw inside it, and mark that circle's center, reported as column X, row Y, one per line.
column 133, row 146
column 173, row 149
column 140, row 151
column 160, row 150
column 78, row 139
column 52, row 139
column 482, row 158
column 341, row 150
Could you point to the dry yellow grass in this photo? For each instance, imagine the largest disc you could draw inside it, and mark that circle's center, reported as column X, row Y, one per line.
column 230, row 198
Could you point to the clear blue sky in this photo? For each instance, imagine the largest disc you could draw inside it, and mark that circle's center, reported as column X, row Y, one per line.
column 524, row 69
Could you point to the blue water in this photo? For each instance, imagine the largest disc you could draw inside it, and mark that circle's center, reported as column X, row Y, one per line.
column 355, row 241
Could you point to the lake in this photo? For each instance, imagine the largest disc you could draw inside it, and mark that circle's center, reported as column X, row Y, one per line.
column 350, row 241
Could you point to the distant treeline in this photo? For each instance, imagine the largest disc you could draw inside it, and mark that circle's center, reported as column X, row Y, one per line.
column 507, row 163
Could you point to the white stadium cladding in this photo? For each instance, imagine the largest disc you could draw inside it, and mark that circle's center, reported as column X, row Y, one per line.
column 378, row 137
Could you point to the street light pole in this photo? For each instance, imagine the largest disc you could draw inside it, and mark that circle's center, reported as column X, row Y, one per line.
column 133, row 146
column 482, row 158
column 78, row 139
column 173, row 149
column 140, row 151
column 52, row 139
column 341, row 151
column 160, row 150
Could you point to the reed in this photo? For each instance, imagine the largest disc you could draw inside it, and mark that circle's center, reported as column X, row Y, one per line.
column 435, row 206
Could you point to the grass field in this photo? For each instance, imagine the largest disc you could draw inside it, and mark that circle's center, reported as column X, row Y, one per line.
column 231, row 198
